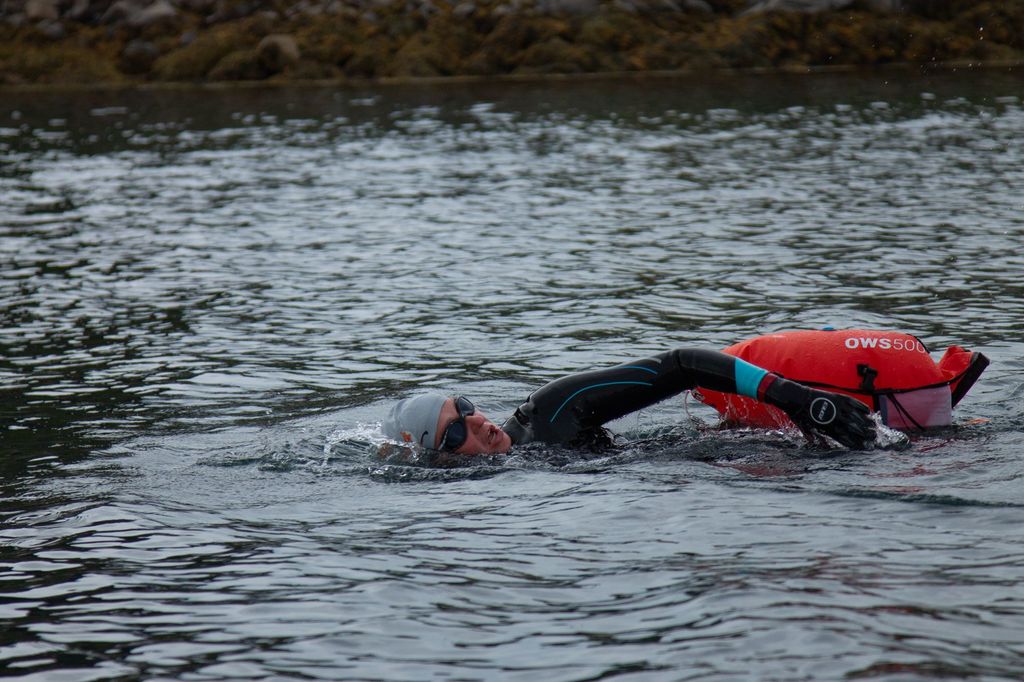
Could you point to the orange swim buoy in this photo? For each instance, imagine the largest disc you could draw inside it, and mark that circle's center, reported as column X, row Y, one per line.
column 891, row 372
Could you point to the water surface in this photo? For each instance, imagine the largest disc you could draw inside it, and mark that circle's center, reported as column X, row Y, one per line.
column 209, row 298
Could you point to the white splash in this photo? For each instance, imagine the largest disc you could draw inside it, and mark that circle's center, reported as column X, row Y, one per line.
column 368, row 433
column 886, row 437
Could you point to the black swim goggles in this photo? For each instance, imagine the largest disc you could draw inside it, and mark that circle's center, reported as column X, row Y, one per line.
column 456, row 432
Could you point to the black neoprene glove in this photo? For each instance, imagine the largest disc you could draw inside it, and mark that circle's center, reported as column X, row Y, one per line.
column 838, row 416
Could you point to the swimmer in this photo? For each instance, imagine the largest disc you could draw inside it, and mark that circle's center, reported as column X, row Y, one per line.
column 572, row 411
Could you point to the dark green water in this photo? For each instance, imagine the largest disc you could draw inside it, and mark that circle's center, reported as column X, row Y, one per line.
column 209, row 298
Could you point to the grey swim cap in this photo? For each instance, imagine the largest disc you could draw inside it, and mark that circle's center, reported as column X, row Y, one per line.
column 414, row 420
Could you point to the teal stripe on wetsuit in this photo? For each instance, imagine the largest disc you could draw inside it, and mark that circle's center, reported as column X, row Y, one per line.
column 602, row 385
column 587, row 388
column 748, row 378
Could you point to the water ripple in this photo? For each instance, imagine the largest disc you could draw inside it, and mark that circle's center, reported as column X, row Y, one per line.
column 209, row 298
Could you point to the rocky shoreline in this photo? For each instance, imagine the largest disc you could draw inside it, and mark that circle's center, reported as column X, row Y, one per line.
column 147, row 41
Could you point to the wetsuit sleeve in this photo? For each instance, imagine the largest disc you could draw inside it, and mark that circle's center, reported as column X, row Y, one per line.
column 573, row 408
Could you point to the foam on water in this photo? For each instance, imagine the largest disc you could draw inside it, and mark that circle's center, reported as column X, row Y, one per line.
column 209, row 299
column 886, row 437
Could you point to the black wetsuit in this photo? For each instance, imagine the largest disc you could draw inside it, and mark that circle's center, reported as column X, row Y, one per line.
column 572, row 410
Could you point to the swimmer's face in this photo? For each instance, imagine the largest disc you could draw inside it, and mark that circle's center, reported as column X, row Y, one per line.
column 483, row 437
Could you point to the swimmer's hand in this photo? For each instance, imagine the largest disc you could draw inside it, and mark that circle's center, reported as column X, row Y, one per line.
column 838, row 416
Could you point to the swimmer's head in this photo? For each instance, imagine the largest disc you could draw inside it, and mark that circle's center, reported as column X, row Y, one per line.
column 434, row 421
column 415, row 419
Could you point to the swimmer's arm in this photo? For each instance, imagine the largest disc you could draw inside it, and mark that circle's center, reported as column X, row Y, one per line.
column 816, row 412
column 573, row 405
column 670, row 373
column 564, row 408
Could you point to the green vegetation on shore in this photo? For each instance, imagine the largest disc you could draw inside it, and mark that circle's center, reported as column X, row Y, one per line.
column 57, row 41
